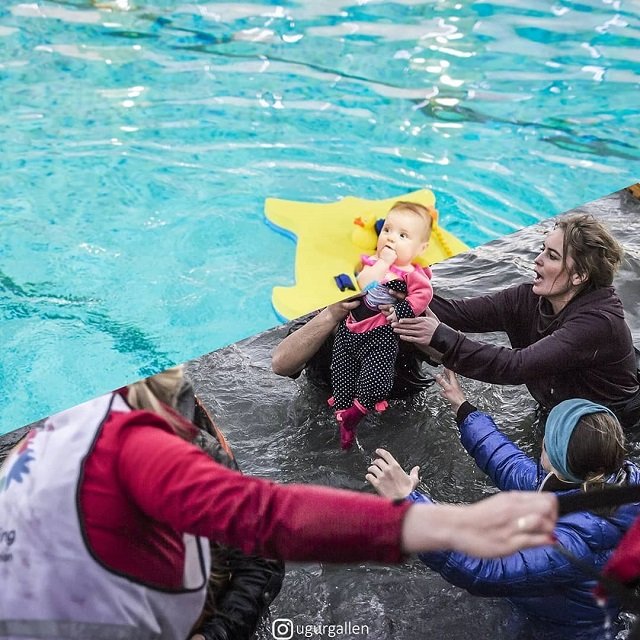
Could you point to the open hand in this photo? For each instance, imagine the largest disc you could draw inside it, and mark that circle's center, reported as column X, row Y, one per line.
column 451, row 389
column 388, row 478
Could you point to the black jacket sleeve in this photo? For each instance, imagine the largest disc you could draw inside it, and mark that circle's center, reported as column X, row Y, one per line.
column 240, row 604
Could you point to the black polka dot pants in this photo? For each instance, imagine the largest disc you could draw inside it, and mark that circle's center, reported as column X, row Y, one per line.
column 363, row 366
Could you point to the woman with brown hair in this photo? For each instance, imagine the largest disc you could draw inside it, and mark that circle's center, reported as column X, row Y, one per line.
column 567, row 329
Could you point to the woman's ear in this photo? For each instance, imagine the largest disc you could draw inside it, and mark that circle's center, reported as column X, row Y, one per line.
column 578, row 278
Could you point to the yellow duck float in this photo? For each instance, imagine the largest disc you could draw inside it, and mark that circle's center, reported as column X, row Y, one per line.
column 330, row 238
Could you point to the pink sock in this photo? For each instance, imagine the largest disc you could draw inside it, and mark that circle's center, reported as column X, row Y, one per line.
column 348, row 420
column 381, row 406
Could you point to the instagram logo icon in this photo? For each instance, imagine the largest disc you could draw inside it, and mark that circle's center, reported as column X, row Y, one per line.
column 282, row 629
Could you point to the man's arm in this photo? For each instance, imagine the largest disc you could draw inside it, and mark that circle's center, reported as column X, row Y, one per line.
column 293, row 353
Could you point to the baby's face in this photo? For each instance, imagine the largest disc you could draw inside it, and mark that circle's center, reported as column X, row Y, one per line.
column 406, row 233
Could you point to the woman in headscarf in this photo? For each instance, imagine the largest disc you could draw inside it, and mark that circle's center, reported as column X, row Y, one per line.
column 583, row 450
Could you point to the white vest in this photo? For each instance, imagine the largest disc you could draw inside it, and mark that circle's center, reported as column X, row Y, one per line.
column 51, row 585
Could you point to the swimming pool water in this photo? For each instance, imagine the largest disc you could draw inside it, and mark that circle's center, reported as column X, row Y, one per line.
column 140, row 140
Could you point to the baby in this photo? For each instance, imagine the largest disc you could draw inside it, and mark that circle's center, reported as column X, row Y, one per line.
column 365, row 346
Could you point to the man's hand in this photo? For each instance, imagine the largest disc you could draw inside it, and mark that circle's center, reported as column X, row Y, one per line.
column 338, row 311
column 387, row 477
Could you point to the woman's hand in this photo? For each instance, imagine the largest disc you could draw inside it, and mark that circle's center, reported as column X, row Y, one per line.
column 387, row 477
column 451, row 389
column 495, row 527
column 418, row 330
column 505, row 523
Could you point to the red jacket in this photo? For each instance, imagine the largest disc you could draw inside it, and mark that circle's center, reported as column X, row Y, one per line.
column 142, row 487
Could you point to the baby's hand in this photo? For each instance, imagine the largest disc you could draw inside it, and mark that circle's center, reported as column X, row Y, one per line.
column 389, row 312
column 388, row 255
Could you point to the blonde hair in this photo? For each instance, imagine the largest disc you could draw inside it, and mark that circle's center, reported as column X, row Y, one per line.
column 158, row 392
column 429, row 215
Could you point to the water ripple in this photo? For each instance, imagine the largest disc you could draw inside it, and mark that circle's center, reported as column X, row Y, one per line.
column 141, row 140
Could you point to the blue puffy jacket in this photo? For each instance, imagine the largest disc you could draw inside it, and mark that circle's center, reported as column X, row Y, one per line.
column 539, row 581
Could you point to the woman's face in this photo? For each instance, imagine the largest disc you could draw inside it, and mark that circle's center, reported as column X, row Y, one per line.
column 553, row 280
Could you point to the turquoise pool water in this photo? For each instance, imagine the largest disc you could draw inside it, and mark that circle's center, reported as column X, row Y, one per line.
column 140, row 140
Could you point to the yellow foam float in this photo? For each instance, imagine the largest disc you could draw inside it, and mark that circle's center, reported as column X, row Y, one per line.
column 329, row 241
